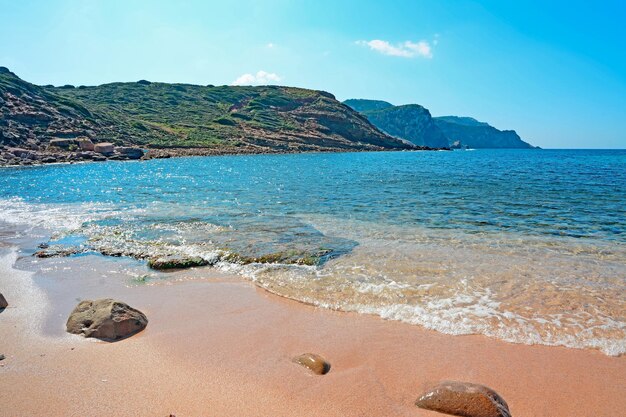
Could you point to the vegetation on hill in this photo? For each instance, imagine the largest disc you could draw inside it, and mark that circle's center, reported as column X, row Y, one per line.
column 160, row 115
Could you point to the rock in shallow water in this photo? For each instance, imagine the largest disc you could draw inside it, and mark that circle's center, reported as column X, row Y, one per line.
column 464, row 399
column 314, row 362
column 105, row 319
column 176, row 262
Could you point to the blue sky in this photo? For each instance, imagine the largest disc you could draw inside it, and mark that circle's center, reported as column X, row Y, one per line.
column 555, row 71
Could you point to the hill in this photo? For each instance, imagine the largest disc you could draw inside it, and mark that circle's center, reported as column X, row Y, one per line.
column 411, row 122
column 415, row 124
column 153, row 115
column 469, row 132
column 362, row 105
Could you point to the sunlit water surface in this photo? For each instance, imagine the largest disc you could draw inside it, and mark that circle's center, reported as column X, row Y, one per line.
column 528, row 246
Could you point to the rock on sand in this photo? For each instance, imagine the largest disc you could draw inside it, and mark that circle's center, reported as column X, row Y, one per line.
column 105, row 319
column 464, row 399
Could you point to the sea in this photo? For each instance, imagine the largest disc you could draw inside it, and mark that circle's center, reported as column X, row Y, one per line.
column 527, row 246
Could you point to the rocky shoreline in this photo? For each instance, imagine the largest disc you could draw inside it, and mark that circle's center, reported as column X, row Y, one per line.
column 34, row 155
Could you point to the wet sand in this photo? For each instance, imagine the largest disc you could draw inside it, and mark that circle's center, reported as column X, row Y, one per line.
column 217, row 346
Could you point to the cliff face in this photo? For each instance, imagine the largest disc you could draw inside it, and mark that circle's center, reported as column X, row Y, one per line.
column 468, row 132
column 415, row 124
column 411, row 122
column 160, row 115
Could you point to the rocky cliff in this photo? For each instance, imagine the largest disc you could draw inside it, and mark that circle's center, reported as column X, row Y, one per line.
column 411, row 122
column 415, row 124
column 470, row 133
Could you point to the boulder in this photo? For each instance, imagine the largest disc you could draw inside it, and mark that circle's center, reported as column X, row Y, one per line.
column 464, row 399
column 85, row 144
column 315, row 363
column 105, row 319
column 61, row 143
column 22, row 153
column 130, row 152
column 176, row 262
column 105, row 148
column 3, row 302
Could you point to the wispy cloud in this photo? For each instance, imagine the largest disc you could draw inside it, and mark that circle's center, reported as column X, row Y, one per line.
column 260, row 78
column 406, row 49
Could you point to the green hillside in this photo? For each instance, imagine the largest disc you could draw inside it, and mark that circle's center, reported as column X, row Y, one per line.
column 160, row 115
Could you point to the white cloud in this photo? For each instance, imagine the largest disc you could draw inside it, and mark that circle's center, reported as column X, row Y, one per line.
column 270, row 45
column 407, row 49
column 260, row 78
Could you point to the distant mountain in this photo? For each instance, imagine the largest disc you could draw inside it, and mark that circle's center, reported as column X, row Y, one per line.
column 362, row 105
column 415, row 124
column 469, row 132
column 159, row 115
column 411, row 122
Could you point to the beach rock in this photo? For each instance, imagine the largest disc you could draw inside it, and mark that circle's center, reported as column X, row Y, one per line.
column 130, row 152
column 315, row 363
column 20, row 152
column 104, row 148
column 105, row 319
column 464, row 399
column 85, row 144
column 3, row 302
column 57, row 251
column 61, row 143
column 176, row 262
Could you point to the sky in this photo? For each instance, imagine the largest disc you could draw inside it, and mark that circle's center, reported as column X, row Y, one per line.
column 554, row 71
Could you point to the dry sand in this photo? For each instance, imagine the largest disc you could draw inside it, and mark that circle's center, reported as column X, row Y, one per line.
column 221, row 347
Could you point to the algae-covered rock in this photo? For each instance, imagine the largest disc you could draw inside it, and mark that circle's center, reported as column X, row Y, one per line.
column 464, row 399
column 105, row 319
column 176, row 262
column 57, row 251
column 315, row 363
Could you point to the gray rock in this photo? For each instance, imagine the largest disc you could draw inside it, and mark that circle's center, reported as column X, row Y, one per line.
column 105, row 319
column 464, row 399
column 130, row 152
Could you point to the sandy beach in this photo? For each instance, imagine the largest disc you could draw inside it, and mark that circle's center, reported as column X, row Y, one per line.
column 217, row 346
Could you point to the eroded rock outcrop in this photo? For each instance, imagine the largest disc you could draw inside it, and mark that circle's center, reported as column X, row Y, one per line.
column 464, row 399
column 105, row 319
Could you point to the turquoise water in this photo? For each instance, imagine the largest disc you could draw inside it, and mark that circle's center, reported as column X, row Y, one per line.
column 524, row 245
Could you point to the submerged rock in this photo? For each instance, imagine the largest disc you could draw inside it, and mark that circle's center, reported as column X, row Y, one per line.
column 292, row 257
column 176, row 262
column 3, row 302
column 56, row 251
column 464, row 399
column 105, row 319
column 315, row 363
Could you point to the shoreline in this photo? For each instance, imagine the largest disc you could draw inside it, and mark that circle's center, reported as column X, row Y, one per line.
column 218, row 345
column 39, row 158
